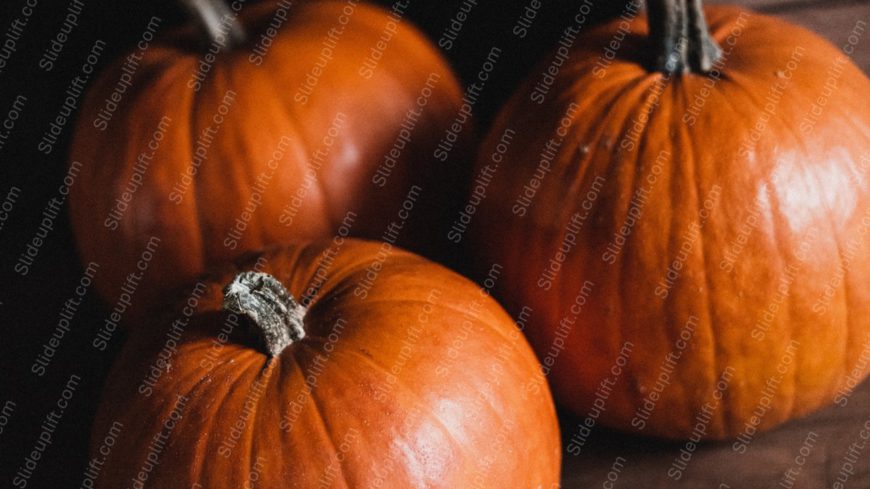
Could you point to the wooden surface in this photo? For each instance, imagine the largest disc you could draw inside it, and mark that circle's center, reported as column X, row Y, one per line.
column 825, row 437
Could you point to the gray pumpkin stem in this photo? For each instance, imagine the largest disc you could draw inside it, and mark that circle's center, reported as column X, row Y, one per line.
column 275, row 314
column 680, row 38
column 216, row 20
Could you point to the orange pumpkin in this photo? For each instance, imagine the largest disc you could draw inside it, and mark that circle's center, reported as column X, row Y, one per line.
column 329, row 111
column 416, row 380
column 692, row 210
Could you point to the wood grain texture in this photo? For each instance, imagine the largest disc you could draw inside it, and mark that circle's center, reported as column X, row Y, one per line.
column 832, row 433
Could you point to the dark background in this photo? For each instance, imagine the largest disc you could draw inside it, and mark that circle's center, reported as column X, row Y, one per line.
column 30, row 305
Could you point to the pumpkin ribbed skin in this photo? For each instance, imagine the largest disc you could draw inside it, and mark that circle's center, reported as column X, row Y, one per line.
column 768, row 283
column 408, row 387
column 257, row 159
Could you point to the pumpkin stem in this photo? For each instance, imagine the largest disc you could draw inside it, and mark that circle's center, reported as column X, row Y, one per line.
column 277, row 317
column 680, row 37
column 217, row 21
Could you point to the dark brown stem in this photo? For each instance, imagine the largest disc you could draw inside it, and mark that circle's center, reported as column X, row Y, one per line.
column 276, row 316
column 680, row 37
column 217, row 21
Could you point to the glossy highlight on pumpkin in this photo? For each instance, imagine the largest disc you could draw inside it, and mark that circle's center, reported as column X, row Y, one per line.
column 423, row 382
column 713, row 222
column 212, row 152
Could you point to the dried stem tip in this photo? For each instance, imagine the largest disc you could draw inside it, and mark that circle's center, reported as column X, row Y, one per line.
column 277, row 317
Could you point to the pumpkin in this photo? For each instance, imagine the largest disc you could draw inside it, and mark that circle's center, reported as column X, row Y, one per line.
column 692, row 204
column 193, row 154
column 343, row 364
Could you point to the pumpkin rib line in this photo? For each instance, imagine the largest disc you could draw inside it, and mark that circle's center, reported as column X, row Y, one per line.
column 796, row 370
column 597, row 135
column 669, row 305
column 293, row 382
column 399, row 260
column 311, row 396
column 714, row 336
column 836, row 238
column 328, row 436
column 320, row 339
column 320, row 185
column 528, row 227
column 236, row 374
column 411, row 392
column 635, row 378
column 729, row 80
column 419, row 401
column 476, row 319
column 776, row 212
column 753, row 101
column 294, row 121
column 197, row 188
column 846, row 302
column 248, row 177
column 352, row 380
column 328, row 286
column 637, row 164
column 775, row 208
column 598, row 132
column 632, row 378
column 265, row 373
column 201, row 444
